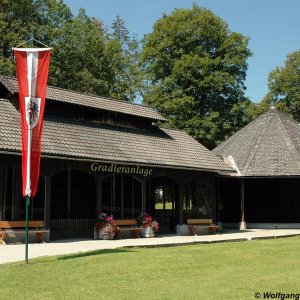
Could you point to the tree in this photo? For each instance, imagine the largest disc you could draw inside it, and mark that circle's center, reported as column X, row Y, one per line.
column 120, row 32
column 84, row 56
column 124, row 52
column 19, row 20
column 195, row 71
column 284, row 87
column 79, row 59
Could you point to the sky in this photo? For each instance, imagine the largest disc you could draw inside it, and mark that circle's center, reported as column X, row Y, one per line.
column 272, row 25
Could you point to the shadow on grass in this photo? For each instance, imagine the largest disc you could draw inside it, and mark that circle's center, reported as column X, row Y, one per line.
column 92, row 253
column 55, row 258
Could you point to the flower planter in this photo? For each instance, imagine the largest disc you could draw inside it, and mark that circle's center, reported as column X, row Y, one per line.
column 105, row 229
column 147, row 232
column 104, row 234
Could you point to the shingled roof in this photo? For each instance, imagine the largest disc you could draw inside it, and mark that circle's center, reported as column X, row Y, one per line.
column 268, row 146
column 66, row 138
column 68, row 96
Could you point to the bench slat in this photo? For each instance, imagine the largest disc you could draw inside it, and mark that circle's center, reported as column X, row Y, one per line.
column 199, row 221
column 125, row 222
column 20, row 224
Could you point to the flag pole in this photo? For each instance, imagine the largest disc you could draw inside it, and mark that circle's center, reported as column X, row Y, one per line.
column 28, row 188
column 26, row 239
column 28, row 179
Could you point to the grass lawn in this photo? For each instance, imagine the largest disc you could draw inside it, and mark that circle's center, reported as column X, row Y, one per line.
column 228, row 271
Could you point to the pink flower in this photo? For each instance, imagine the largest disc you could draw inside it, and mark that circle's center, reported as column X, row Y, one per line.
column 146, row 220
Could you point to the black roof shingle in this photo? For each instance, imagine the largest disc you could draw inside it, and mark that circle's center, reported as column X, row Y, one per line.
column 268, row 146
column 77, row 98
column 66, row 138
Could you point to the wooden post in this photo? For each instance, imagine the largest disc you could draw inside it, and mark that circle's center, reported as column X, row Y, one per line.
column 1, row 192
column 243, row 225
column 113, row 195
column 143, row 196
column 99, row 194
column 213, row 204
column 18, row 193
column 180, row 203
column 122, row 196
column 218, row 202
column 47, row 205
column 69, row 193
column 13, row 194
column 132, row 197
column 151, row 209
column 4, row 194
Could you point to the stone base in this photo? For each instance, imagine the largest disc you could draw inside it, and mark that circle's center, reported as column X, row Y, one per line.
column 182, row 229
column 199, row 229
column 220, row 225
column 243, row 226
column 273, row 225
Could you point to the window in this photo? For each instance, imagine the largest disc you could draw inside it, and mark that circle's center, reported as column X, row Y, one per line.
column 164, row 198
column 122, row 196
column 198, row 199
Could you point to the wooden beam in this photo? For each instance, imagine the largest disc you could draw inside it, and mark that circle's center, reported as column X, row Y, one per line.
column 99, row 194
column 122, row 196
column 151, row 209
column 144, row 196
column 69, row 193
column 243, row 225
column 218, row 203
column 113, row 194
column 18, row 195
column 47, row 205
column 1, row 192
column 180, row 203
column 132, row 197
column 13, row 194
column 4, row 194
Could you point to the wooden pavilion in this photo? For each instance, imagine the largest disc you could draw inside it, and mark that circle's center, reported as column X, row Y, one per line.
column 265, row 190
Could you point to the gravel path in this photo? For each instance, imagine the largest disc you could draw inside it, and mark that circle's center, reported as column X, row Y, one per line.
column 13, row 253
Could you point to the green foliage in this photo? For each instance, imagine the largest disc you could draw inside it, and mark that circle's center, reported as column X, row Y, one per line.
column 84, row 56
column 125, row 65
column 125, row 61
column 284, row 87
column 195, row 71
column 204, row 271
column 79, row 60
column 19, row 20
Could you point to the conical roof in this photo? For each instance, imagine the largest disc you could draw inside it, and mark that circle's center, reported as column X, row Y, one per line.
column 268, row 146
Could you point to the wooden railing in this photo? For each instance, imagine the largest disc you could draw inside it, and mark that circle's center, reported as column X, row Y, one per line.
column 57, row 224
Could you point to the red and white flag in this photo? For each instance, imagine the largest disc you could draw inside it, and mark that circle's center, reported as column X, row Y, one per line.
column 32, row 66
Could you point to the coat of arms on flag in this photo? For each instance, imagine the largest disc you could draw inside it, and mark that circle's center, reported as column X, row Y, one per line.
column 32, row 111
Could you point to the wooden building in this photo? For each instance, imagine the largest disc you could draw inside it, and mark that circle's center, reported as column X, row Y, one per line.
column 100, row 154
column 265, row 190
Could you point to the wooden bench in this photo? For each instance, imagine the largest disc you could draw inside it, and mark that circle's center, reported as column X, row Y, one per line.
column 128, row 225
column 193, row 223
column 19, row 226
